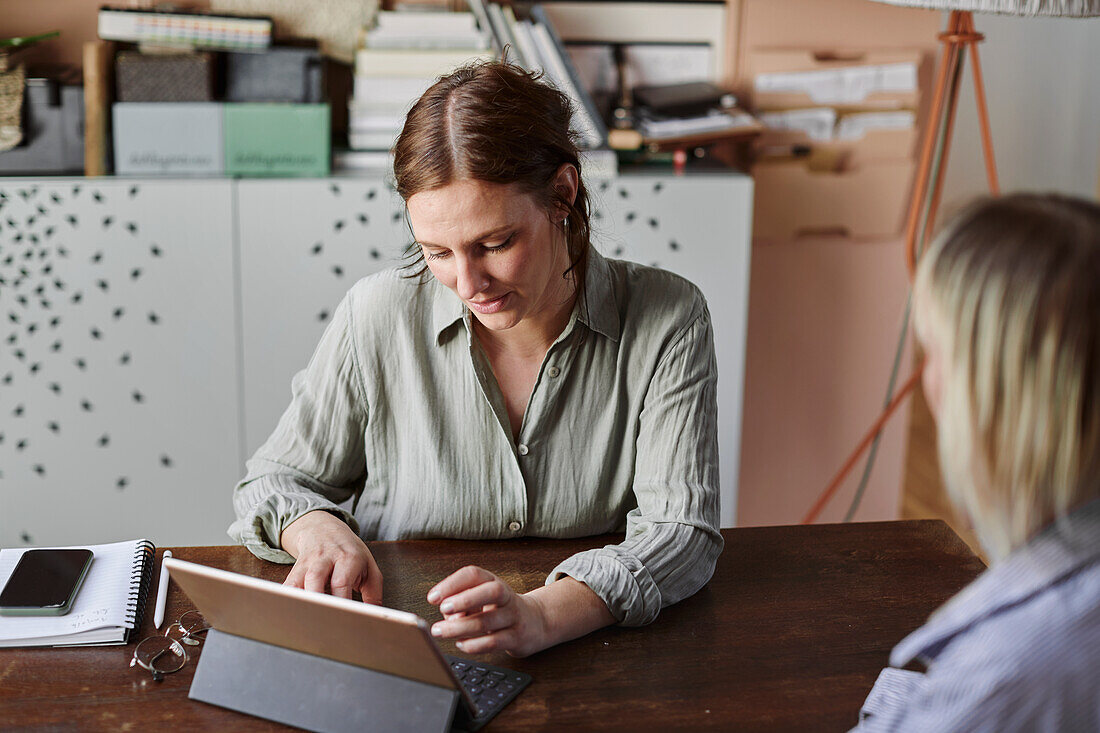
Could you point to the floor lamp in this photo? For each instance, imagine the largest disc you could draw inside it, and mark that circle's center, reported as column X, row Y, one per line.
column 959, row 37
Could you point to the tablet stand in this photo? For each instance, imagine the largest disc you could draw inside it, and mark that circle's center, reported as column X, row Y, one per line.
column 312, row 692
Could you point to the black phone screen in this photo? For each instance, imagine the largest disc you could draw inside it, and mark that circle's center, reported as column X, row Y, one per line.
column 45, row 578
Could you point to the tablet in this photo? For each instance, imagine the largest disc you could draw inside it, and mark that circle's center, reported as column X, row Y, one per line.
column 377, row 638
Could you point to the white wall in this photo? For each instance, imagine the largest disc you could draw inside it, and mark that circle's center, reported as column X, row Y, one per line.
column 1042, row 78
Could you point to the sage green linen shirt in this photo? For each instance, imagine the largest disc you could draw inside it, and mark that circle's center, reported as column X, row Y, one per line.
column 399, row 410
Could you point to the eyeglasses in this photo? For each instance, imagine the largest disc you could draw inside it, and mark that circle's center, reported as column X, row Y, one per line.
column 162, row 655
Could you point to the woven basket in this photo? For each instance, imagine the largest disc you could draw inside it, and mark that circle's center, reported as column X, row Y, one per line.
column 11, row 107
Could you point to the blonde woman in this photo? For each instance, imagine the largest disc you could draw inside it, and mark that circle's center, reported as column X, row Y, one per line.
column 1008, row 312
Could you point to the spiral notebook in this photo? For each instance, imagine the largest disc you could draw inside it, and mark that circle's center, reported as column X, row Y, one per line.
column 108, row 609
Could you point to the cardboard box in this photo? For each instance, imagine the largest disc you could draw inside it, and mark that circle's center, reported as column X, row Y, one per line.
column 822, row 328
column 858, row 188
column 832, row 25
column 868, row 202
column 864, row 194
column 823, row 317
column 277, row 139
column 173, row 139
column 873, row 147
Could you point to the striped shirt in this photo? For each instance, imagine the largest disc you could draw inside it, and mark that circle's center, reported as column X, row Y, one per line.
column 1016, row 650
column 399, row 411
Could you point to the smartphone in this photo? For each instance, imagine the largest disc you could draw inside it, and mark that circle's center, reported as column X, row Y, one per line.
column 45, row 582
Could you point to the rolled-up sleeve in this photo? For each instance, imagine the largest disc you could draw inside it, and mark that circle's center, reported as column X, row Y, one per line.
column 672, row 538
column 315, row 458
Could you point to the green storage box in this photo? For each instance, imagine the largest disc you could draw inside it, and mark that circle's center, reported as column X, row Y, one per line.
column 277, row 139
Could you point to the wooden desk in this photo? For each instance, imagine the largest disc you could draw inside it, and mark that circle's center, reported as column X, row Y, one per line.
column 789, row 635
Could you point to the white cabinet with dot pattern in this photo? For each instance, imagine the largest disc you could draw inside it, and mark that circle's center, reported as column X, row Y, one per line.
column 118, row 396
column 150, row 329
column 303, row 245
column 699, row 227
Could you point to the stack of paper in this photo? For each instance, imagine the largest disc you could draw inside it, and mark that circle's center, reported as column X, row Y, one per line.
column 849, row 85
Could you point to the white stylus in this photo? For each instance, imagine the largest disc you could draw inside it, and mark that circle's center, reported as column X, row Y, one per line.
column 162, row 592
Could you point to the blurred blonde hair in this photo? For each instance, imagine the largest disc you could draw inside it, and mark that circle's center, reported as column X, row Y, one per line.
column 1010, row 294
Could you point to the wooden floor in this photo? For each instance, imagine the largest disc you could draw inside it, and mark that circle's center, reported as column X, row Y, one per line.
column 923, row 495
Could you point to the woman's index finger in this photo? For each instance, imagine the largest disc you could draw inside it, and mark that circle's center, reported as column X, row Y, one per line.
column 468, row 577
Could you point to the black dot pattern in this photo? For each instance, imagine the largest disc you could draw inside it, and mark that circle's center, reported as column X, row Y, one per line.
column 93, row 260
column 346, row 250
column 627, row 223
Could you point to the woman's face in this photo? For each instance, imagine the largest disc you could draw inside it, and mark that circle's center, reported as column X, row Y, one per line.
column 496, row 248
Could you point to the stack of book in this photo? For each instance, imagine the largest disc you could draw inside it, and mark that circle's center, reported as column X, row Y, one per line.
column 204, row 94
column 405, row 52
column 535, row 45
column 401, row 56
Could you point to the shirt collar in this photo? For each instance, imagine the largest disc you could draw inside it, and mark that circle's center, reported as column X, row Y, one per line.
column 1062, row 548
column 447, row 308
column 596, row 308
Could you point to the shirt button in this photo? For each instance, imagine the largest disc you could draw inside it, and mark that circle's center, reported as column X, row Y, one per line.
column 515, row 526
column 523, row 450
column 553, row 371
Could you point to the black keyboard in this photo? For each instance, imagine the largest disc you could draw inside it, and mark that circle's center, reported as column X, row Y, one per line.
column 489, row 686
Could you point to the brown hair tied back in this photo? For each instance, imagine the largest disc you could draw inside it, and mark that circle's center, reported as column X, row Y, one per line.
column 495, row 122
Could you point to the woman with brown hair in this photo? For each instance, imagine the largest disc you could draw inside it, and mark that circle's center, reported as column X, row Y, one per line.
column 1008, row 312
column 518, row 384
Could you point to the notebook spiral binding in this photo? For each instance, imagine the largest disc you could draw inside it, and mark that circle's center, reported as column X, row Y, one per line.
column 141, row 580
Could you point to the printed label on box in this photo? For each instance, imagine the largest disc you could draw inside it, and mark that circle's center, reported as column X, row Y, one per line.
column 162, row 138
column 277, row 139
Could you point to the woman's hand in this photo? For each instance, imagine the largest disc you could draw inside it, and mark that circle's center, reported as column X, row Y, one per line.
column 330, row 557
column 485, row 614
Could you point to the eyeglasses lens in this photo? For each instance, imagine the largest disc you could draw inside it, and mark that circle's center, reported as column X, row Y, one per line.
column 190, row 629
column 160, row 655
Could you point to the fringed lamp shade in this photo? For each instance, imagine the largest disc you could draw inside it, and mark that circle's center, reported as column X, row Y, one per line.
column 1068, row 8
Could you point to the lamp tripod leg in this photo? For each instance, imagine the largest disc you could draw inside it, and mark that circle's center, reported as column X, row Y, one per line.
column 983, row 119
column 944, row 149
column 931, row 139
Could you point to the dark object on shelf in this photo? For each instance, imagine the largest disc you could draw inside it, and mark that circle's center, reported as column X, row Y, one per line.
column 623, row 113
column 177, row 77
column 683, row 100
column 53, row 130
column 281, row 74
column 339, row 84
